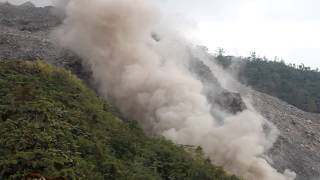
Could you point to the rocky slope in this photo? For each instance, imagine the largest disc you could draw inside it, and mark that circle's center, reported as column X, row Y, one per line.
column 230, row 102
column 298, row 145
column 25, row 35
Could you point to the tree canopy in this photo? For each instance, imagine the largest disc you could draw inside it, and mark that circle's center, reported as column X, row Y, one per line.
column 298, row 85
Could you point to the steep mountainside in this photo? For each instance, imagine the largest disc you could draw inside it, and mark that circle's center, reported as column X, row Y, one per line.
column 296, row 84
column 297, row 147
column 51, row 125
column 216, row 94
column 25, row 35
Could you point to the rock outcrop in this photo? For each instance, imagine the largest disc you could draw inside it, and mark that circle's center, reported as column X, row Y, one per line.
column 216, row 94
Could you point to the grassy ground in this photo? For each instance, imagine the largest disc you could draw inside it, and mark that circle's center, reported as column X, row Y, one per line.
column 51, row 124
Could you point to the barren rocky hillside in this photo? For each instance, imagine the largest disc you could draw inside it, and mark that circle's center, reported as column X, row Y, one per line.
column 298, row 145
column 25, row 35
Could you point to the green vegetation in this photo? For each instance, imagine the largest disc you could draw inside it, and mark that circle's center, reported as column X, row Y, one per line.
column 296, row 84
column 51, row 124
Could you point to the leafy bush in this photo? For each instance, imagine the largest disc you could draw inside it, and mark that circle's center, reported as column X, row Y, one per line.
column 51, row 124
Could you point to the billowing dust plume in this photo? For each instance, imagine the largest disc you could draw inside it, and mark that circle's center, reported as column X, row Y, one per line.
column 147, row 80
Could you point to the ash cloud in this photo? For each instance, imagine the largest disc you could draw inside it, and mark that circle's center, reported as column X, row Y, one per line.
column 148, row 81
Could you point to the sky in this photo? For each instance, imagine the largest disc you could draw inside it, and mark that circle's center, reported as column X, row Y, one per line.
column 288, row 29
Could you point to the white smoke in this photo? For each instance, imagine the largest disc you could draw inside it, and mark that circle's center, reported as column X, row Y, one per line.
column 148, row 82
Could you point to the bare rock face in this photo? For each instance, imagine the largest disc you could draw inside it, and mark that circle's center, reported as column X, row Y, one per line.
column 25, row 35
column 298, row 146
column 231, row 101
column 26, row 17
column 216, row 94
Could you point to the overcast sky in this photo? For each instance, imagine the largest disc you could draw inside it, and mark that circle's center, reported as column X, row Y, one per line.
column 288, row 29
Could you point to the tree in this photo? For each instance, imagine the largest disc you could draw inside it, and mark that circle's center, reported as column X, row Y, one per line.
column 253, row 55
column 220, row 52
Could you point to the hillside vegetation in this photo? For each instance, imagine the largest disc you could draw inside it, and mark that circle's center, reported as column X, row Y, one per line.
column 296, row 84
column 51, row 124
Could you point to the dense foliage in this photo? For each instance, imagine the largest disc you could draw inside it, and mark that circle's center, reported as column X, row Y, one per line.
column 296, row 84
column 51, row 124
